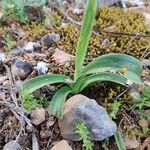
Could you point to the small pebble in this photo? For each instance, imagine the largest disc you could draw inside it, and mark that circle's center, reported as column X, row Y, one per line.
column 21, row 69
column 12, row 145
column 6, row 83
column 144, row 123
column 62, row 145
column 131, row 143
column 77, row 11
column 62, row 58
column 37, row 116
column 29, row 128
column 3, row 79
column 31, row 46
column 41, row 68
column 16, row 51
column 106, row 42
column 49, row 39
column 50, row 121
column 2, row 57
column 44, row 134
column 146, row 63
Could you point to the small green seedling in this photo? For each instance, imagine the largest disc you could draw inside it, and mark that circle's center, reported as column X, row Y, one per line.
column 29, row 102
column 119, row 141
column 115, row 108
column 105, row 144
column 143, row 102
column 83, row 132
column 119, row 68
column 9, row 42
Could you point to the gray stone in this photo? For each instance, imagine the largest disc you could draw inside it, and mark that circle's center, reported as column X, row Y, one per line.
column 41, row 67
column 12, row 145
column 31, row 46
column 2, row 57
column 106, row 42
column 3, row 79
column 21, row 69
column 16, row 51
column 79, row 109
column 145, row 63
column 49, row 39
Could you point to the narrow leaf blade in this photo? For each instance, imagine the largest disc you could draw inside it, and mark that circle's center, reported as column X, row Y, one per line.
column 86, row 30
column 56, row 106
column 35, row 83
column 129, row 66
column 83, row 81
column 119, row 141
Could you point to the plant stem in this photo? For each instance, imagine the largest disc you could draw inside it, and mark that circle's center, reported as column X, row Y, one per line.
column 85, row 34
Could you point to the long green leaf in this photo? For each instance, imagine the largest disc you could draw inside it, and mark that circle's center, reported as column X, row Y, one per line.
column 119, row 141
column 35, row 83
column 56, row 107
column 113, row 63
column 83, row 82
column 86, row 30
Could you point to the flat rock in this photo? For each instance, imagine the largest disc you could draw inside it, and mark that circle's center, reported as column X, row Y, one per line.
column 62, row 58
column 37, row 116
column 62, row 145
column 131, row 143
column 144, row 123
column 79, row 109
column 12, row 145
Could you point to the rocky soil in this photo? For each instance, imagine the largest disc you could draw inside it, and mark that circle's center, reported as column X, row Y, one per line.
column 46, row 44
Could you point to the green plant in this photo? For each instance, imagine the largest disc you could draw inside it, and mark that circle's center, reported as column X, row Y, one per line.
column 119, row 141
column 143, row 102
column 117, row 136
column 114, row 67
column 9, row 42
column 14, row 9
column 29, row 102
column 105, row 144
column 83, row 132
column 115, row 108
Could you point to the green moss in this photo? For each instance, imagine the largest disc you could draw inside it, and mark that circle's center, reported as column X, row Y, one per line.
column 135, row 131
column 116, row 20
column 58, row 18
column 35, row 30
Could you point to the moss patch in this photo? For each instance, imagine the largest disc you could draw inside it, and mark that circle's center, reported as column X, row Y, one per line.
column 116, row 20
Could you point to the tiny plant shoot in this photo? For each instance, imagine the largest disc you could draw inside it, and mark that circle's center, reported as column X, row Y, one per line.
column 84, row 134
column 109, row 67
